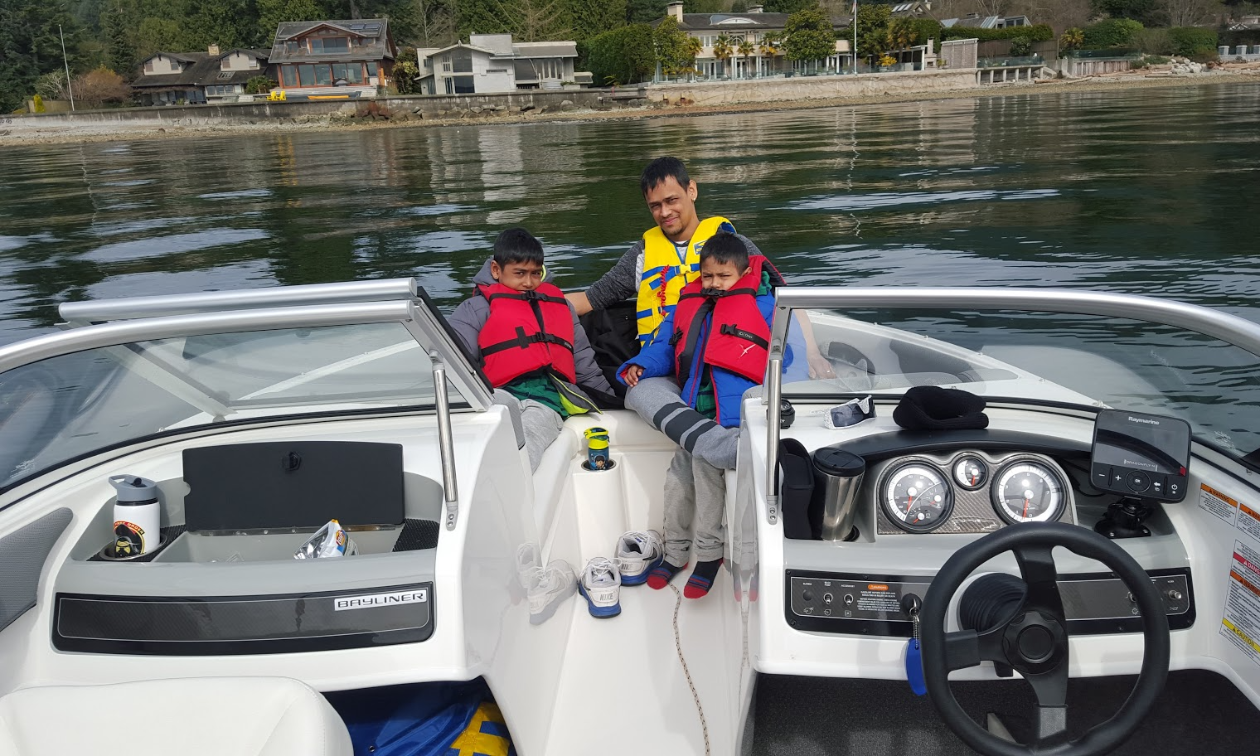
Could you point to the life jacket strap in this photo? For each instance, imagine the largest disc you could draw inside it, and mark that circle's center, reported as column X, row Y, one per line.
column 739, row 333
column 528, row 296
column 522, row 341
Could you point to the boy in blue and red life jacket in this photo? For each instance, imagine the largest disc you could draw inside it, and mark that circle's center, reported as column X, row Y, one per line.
column 528, row 341
column 716, row 344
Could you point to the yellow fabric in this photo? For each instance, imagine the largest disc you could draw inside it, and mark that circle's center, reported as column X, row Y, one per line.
column 664, row 275
column 473, row 742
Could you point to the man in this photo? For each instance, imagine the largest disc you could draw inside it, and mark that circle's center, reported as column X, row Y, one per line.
column 655, row 270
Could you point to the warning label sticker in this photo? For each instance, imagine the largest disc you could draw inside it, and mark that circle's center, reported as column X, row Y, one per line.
column 1249, row 521
column 1217, row 504
column 1240, row 622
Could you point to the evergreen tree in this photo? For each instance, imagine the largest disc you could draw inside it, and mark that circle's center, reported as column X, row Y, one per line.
column 592, row 17
column 644, row 11
column 271, row 13
column 790, row 6
column 30, row 45
column 672, row 51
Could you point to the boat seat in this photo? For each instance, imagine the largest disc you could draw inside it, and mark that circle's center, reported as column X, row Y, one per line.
column 553, row 471
column 266, row 716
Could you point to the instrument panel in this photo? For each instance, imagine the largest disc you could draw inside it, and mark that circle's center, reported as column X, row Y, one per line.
column 970, row 491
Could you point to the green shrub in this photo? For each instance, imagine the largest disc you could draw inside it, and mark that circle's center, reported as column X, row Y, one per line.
column 1034, row 33
column 1153, row 41
column 1114, row 32
column 1137, row 64
column 259, row 85
column 620, row 56
column 1156, row 60
column 1192, row 41
column 1021, row 46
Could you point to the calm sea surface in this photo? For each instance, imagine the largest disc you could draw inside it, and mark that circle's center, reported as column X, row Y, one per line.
column 1144, row 192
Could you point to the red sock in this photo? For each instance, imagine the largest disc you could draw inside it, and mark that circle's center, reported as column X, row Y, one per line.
column 701, row 579
column 660, row 576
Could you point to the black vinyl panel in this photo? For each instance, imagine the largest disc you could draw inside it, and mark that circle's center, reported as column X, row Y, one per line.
column 233, row 625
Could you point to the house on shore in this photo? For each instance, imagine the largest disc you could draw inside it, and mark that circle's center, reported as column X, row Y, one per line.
column 758, row 28
column 494, row 63
column 211, row 77
column 314, row 58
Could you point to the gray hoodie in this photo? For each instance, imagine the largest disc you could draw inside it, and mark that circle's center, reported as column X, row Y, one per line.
column 471, row 315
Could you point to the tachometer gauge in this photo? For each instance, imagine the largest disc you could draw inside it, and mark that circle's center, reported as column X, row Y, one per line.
column 1028, row 491
column 970, row 472
column 917, row 498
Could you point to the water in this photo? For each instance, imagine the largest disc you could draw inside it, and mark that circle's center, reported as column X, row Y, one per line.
column 1142, row 192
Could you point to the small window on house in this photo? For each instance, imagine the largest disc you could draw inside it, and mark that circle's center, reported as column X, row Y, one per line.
column 354, row 73
column 339, row 72
column 306, row 76
column 291, row 46
column 463, row 84
column 323, row 75
column 148, row 66
column 371, row 68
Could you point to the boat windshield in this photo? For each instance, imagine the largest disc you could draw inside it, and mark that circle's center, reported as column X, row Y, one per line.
column 82, row 402
column 1047, row 357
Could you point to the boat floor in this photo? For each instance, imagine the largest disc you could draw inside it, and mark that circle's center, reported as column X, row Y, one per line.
column 1199, row 712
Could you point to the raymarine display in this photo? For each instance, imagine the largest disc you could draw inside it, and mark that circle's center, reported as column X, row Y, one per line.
column 1141, row 455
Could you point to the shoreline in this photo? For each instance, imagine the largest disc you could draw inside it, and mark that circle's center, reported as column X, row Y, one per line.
column 96, row 133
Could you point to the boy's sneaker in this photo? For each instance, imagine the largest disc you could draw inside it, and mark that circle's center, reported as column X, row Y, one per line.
column 551, row 586
column 601, row 587
column 637, row 554
column 528, row 570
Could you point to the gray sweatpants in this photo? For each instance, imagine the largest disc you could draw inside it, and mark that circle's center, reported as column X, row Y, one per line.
column 657, row 400
column 695, row 495
column 538, row 424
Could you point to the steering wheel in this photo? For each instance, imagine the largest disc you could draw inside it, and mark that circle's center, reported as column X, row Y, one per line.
column 1035, row 640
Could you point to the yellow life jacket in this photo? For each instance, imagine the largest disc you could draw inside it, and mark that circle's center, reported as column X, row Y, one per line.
column 664, row 274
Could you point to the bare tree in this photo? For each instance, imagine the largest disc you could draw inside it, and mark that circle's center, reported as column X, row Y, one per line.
column 1189, row 12
column 535, row 20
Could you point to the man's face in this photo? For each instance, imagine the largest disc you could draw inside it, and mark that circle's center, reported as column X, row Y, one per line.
column 673, row 208
column 518, row 276
column 720, row 275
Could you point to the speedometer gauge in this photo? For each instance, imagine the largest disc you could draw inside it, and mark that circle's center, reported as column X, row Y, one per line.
column 917, row 498
column 1028, row 491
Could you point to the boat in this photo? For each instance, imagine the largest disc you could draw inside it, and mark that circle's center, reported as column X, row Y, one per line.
column 965, row 554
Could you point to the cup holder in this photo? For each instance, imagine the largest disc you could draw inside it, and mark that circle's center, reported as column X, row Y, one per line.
column 587, row 466
column 107, row 553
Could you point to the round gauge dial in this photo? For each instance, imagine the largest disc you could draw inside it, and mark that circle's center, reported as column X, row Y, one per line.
column 971, row 472
column 1028, row 491
column 917, row 498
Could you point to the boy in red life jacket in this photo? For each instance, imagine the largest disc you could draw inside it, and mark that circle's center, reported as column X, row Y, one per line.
column 716, row 344
column 526, row 337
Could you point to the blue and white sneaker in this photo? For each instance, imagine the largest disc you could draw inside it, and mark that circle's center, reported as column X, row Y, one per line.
column 638, row 554
column 601, row 587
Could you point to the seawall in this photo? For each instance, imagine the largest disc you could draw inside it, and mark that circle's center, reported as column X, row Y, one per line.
column 805, row 88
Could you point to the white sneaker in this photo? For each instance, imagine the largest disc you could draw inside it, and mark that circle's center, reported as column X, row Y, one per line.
column 528, row 571
column 601, row 587
column 638, row 554
column 552, row 585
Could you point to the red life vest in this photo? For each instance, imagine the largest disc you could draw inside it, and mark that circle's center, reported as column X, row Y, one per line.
column 527, row 332
column 738, row 338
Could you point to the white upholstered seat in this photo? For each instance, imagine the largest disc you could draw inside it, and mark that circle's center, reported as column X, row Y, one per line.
column 258, row 716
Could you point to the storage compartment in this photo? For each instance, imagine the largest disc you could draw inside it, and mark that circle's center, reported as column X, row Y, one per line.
column 197, row 547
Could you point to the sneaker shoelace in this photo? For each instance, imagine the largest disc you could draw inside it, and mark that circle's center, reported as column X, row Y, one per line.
column 601, row 570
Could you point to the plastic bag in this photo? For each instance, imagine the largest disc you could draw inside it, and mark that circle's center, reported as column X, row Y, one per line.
column 330, row 540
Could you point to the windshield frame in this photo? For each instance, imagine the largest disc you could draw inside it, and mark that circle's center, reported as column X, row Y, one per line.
column 414, row 314
column 1230, row 329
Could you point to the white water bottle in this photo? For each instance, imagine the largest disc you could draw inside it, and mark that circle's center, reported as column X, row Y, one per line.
column 137, row 516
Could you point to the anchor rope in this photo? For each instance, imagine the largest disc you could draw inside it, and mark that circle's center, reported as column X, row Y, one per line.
column 695, row 696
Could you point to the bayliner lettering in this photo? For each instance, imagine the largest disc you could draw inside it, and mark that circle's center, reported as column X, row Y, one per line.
column 376, row 600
